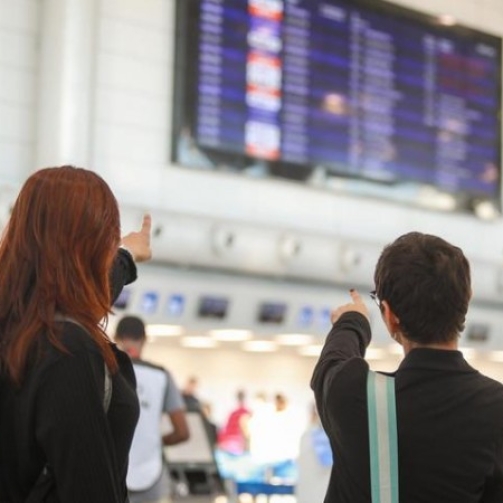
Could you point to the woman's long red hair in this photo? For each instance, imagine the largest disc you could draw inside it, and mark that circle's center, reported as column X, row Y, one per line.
column 55, row 257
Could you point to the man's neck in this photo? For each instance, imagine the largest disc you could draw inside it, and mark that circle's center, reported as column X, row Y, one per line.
column 134, row 354
column 444, row 346
column 131, row 348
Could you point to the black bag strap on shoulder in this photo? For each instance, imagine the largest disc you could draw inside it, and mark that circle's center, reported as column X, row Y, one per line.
column 45, row 481
column 107, row 395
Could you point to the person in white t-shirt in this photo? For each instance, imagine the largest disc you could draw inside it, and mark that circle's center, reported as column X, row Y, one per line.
column 314, row 462
column 148, row 478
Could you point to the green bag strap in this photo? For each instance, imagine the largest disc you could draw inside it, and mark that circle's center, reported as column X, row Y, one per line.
column 383, row 438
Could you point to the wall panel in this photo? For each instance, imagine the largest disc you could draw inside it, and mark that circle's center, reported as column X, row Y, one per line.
column 19, row 32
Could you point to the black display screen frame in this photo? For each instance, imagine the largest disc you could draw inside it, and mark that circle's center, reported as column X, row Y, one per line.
column 272, row 313
column 214, row 307
column 408, row 192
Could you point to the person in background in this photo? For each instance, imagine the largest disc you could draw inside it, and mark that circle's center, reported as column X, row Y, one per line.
column 449, row 416
column 192, row 402
column 148, row 478
column 258, row 428
column 285, row 429
column 314, row 463
column 274, row 431
column 209, row 424
column 280, row 403
column 68, row 406
column 232, row 438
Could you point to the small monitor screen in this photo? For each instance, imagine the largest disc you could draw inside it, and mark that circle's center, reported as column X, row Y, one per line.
column 477, row 332
column 324, row 318
column 149, row 302
column 176, row 305
column 306, row 316
column 272, row 312
column 213, row 307
column 122, row 300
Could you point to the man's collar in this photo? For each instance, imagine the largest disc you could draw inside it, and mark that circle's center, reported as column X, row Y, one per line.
column 435, row 359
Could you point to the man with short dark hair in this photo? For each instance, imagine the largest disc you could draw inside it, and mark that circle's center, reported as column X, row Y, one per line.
column 148, row 480
column 449, row 416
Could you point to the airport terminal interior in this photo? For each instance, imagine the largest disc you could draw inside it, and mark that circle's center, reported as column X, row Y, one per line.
column 278, row 145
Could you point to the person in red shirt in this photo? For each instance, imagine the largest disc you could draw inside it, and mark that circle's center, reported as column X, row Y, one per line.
column 232, row 437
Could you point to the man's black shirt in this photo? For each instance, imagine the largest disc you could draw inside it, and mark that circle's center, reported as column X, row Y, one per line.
column 450, row 422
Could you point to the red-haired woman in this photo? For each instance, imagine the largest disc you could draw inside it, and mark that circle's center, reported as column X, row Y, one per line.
column 63, row 438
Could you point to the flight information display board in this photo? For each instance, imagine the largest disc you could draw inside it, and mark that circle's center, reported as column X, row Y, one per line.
column 362, row 89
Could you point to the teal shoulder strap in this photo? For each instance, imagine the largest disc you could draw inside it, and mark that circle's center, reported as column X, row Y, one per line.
column 383, row 439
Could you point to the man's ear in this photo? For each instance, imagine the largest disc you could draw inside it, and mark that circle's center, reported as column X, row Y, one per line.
column 390, row 319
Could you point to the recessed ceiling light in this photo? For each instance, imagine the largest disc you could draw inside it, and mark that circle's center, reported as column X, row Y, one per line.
column 260, row 346
column 163, row 330
column 432, row 198
column 447, row 20
column 496, row 356
column 231, row 335
column 294, row 339
column 375, row 354
column 198, row 341
column 468, row 352
column 312, row 350
column 485, row 210
column 395, row 349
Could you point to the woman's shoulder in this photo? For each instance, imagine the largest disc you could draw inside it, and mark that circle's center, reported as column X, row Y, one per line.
column 75, row 342
column 72, row 347
column 75, row 337
column 72, row 340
